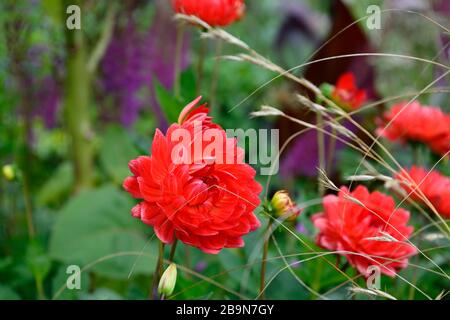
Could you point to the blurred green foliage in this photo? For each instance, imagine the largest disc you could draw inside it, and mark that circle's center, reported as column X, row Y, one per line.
column 93, row 227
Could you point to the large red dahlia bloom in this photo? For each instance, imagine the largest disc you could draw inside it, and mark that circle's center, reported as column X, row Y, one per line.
column 213, row 12
column 195, row 188
column 352, row 221
column 417, row 123
column 433, row 185
column 347, row 94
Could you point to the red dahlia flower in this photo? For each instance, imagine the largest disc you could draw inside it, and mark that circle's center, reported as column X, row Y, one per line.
column 194, row 188
column 417, row 123
column 433, row 185
column 354, row 225
column 213, row 12
column 346, row 94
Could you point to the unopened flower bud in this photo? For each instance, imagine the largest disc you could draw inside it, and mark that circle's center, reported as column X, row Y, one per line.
column 9, row 172
column 168, row 280
column 284, row 207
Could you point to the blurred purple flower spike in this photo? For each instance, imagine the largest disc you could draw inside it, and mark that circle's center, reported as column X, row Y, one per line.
column 134, row 58
column 48, row 101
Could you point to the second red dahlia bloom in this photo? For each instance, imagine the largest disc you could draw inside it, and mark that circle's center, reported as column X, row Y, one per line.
column 213, row 12
column 347, row 94
column 352, row 224
column 418, row 123
column 433, row 185
column 203, row 196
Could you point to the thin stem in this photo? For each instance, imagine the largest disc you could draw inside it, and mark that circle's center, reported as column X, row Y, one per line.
column 187, row 259
column 171, row 255
column 39, row 289
column 28, row 206
column 321, row 151
column 264, row 259
column 417, row 154
column 331, row 148
column 178, row 52
column 172, row 250
column 318, row 274
column 215, row 76
column 201, row 64
column 104, row 39
column 158, row 272
column 412, row 290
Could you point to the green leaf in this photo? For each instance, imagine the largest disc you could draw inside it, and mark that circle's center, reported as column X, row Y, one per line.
column 7, row 293
column 59, row 282
column 169, row 104
column 96, row 228
column 54, row 10
column 188, row 85
column 116, row 151
column 38, row 261
column 57, row 186
column 102, row 294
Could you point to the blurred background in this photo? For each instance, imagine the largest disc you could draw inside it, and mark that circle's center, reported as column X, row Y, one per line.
column 76, row 106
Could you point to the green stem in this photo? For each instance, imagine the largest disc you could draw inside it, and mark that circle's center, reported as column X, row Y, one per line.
column 172, row 250
column 412, row 290
column 321, row 151
column 105, row 37
column 187, row 260
column 77, row 95
column 178, row 52
column 171, row 255
column 331, row 148
column 264, row 260
column 215, row 75
column 158, row 272
column 28, row 207
column 40, row 289
column 317, row 276
column 200, row 67
column 417, row 154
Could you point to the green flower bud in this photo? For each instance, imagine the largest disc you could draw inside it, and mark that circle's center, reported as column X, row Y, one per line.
column 9, row 172
column 168, row 280
column 284, row 207
column 327, row 89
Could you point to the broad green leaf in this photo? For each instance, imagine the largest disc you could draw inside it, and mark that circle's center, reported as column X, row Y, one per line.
column 7, row 293
column 169, row 104
column 102, row 294
column 57, row 186
column 116, row 151
column 38, row 261
column 95, row 228
column 188, row 85
column 59, row 285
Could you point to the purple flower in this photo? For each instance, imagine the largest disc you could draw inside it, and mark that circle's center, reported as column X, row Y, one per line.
column 300, row 228
column 294, row 263
column 200, row 266
column 135, row 58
